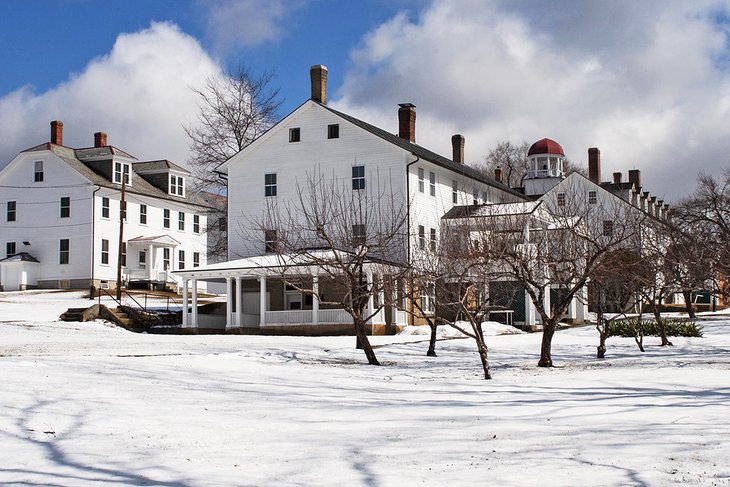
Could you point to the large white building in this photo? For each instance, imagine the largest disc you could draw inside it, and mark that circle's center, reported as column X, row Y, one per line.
column 60, row 218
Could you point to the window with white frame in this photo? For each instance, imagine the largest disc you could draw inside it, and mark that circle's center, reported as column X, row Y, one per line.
column 421, row 182
column 432, row 183
column 166, row 218
column 105, row 207
column 270, row 184
column 181, row 259
column 143, row 214
column 38, row 172
column 428, row 298
column 64, row 251
column 121, row 169
column 177, row 185
column 358, row 177
column 421, row 237
column 166, row 258
column 65, row 207
column 432, row 241
column 181, row 220
column 196, row 224
column 11, row 211
column 9, row 249
column 196, row 259
column 142, row 259
column 104, row 251
column 592, row 198
column 561, row 199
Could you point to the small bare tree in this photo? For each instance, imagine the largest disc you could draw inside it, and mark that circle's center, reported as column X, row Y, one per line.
column 351, row 233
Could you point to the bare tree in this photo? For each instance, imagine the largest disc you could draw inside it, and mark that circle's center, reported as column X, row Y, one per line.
column 352, row 236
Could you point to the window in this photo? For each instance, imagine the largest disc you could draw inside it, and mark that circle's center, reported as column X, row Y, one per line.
column 64, row 251
column 427, row 298
column 432, row 183
column 358, row 177
column 270, row 244
column 177, row 185
column 9, row 249
column 561, row 199
column 65, row 207
column 196, row 259
column 420, row 181
column 358, row 234
column 592, row 197
column 166, row 218
column 181, row 220
column 333, row 131
column 181, row 259
column 196, row 223
column 270, row 184
column 124, row 254
column 143, row 214
column 454, row 192
column 421, row 237
column 142, row 257
column 119, row 170
column 295, row 135
column 608, row 228
column 105, row 251
column 105, row 207
column 433, row 240
column 38, row 172
column 166, row 258
column 12, row 206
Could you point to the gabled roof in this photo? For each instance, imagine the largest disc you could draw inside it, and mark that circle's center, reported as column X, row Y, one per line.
column 165, row 240
column 496, row 209
column 162, row 165
column 139, row 184
column 424, row 153
column 20, row 257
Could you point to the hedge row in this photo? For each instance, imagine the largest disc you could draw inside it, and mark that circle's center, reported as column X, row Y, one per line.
column 674, row 328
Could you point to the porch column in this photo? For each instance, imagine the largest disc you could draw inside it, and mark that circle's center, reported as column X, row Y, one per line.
column 194, row 317
column 229, row 301
column 262, row 298
column 394, row 302
column 315, row 300
column 381, row 299
column 239, row 304
column 529, row 310
column 581, row 305
column 185, row 303
column 546, row 300
column 369, row 310
column 151, row 263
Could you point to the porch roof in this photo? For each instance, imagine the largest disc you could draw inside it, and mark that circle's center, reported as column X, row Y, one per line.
column 161, row 240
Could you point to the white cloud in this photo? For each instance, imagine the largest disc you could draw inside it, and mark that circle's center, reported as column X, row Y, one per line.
column 247, row 23
column 139, row 94
column 639, row 80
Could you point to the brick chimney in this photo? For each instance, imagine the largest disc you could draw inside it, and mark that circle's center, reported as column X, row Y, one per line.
column 57, row 132
column 617, row 178
column 635, row 177
column 100, row 139
column 318, row 76
column 407, row 121
column 457, row 144
column 594, row 165
column 498, row 174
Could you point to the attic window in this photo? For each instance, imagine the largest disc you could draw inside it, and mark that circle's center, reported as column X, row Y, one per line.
column 38, row 172
column 119, row 169
column 333, row 131
column 177, row 185
column 294, row 134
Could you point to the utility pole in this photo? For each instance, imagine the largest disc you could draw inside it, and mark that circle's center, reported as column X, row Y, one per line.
column 122, row 214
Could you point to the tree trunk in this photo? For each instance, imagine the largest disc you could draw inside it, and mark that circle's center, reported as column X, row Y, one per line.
column 602, row 328
column 364, row 343
column 688, row 303
column 548, row 330
column 483, row 356
column 660, row 326
column 432, row 340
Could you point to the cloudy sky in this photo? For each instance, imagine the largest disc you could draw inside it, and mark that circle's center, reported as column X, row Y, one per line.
column 647, row 82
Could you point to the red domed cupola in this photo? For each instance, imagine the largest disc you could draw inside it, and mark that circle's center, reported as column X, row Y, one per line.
column 545, row 146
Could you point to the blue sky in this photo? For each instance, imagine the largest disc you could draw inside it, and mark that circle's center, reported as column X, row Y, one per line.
column 647, row 82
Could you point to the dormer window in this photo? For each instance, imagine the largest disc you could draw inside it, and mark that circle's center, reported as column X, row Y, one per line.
column 177, row 185
column 121, row 168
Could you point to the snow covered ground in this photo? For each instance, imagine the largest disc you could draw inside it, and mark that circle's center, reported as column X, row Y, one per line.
column 88, row 403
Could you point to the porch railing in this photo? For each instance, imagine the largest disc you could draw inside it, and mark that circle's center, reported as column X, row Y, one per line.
column 297, row 317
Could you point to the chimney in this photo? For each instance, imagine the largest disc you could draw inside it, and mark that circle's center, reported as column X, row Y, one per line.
column 57, row 132
column 100, row 139
column 407, row 121
column 498, row 174
column 594, row 165
column 617, row 178
column 318, row 76
column 635, row 177
column 457, row 144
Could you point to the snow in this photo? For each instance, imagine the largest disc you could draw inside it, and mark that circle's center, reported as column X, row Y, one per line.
column 89, row 403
